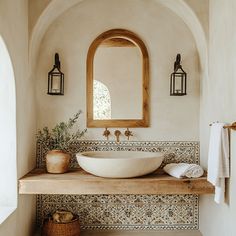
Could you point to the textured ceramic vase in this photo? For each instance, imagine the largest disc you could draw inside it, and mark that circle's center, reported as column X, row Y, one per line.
column 57, row 161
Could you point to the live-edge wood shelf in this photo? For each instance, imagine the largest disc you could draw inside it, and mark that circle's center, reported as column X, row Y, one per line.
column 78, row 181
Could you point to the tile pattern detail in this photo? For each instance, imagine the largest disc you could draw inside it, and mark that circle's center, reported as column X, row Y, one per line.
column 127, row 212
column 174, row 151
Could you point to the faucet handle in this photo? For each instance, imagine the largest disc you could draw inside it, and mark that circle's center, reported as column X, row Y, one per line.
column 106, row 133
column 128, row 133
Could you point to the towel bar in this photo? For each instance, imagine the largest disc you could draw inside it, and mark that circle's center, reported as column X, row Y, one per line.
column 232, row 126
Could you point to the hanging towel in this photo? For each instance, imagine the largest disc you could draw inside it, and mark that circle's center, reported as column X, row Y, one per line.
column 218, row 159
column 184, row 169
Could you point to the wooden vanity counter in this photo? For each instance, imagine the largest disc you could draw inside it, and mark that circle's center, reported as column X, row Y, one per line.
column 77, row 181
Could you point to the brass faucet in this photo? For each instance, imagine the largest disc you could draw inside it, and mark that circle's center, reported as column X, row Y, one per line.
column 128, row 133
column 106, row 133
column 117, row 134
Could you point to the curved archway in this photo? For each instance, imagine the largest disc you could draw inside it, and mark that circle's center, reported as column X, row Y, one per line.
column 8, row 183
column 179, row 7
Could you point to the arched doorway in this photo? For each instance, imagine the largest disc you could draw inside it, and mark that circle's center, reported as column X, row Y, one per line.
column 8, row 173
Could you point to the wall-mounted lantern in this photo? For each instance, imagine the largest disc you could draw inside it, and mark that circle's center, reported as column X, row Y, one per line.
column 178, row 79
column 56, row 78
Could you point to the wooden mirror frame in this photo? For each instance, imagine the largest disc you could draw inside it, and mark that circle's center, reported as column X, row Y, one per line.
column 144, row 122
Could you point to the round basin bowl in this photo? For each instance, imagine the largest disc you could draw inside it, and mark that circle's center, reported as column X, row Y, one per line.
column 119, row 164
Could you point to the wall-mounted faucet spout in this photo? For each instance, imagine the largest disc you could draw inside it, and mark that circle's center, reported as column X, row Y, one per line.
column 117, row 134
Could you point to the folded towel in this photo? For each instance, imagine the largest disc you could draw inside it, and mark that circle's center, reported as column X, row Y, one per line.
column 184, row 169
column 218, row 159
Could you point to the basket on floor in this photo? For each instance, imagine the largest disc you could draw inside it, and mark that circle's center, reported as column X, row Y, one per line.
column 51, row 228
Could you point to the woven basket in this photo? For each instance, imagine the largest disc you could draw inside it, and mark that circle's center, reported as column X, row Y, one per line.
column 51, row 228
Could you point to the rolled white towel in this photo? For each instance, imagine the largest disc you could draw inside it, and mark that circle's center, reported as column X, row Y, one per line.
column 180, row 170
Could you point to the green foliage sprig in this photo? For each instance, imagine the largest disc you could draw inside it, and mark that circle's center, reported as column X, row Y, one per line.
column 62, row 135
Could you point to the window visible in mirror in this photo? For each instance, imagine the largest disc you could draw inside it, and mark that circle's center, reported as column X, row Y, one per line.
column 101, row 101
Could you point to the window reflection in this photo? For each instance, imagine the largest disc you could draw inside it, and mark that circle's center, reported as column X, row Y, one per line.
column 101, row 101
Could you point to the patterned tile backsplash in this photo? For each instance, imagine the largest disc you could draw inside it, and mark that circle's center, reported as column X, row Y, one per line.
column 127, row 212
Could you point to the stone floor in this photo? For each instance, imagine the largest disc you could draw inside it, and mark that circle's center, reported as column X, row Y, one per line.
column 141, row 233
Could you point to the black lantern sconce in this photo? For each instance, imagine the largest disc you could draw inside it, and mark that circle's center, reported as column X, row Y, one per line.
column 56, row 78
column 178, row 79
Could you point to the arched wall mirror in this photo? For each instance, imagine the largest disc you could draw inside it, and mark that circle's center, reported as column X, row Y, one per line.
column 117, row 81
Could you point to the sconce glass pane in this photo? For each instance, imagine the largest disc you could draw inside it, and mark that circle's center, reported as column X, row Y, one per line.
column 56, row 80
column 178, row 83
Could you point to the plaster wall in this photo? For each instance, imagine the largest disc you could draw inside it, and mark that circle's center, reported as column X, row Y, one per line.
column 219, row 101
column 201, row 9
column 165, row 35
column 14, row 31
column 35, row 10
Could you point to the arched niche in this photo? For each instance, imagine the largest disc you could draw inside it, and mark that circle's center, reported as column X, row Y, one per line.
column 57, row 7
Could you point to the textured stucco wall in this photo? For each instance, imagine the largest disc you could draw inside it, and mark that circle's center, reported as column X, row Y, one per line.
column 165, row 35
column 219, row 105
column 14, row 30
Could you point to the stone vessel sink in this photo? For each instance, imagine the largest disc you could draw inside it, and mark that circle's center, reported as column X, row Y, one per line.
column 119, row 164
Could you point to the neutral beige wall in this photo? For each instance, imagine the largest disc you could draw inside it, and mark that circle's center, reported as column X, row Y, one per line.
column 165, row 35
column 219, row 105
column 201, row 9
column 14, row 30
column 36, row 8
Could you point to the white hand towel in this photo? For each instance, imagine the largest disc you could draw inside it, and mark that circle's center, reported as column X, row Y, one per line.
column 194, row 171
column 184, row 169
column 218, row 159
